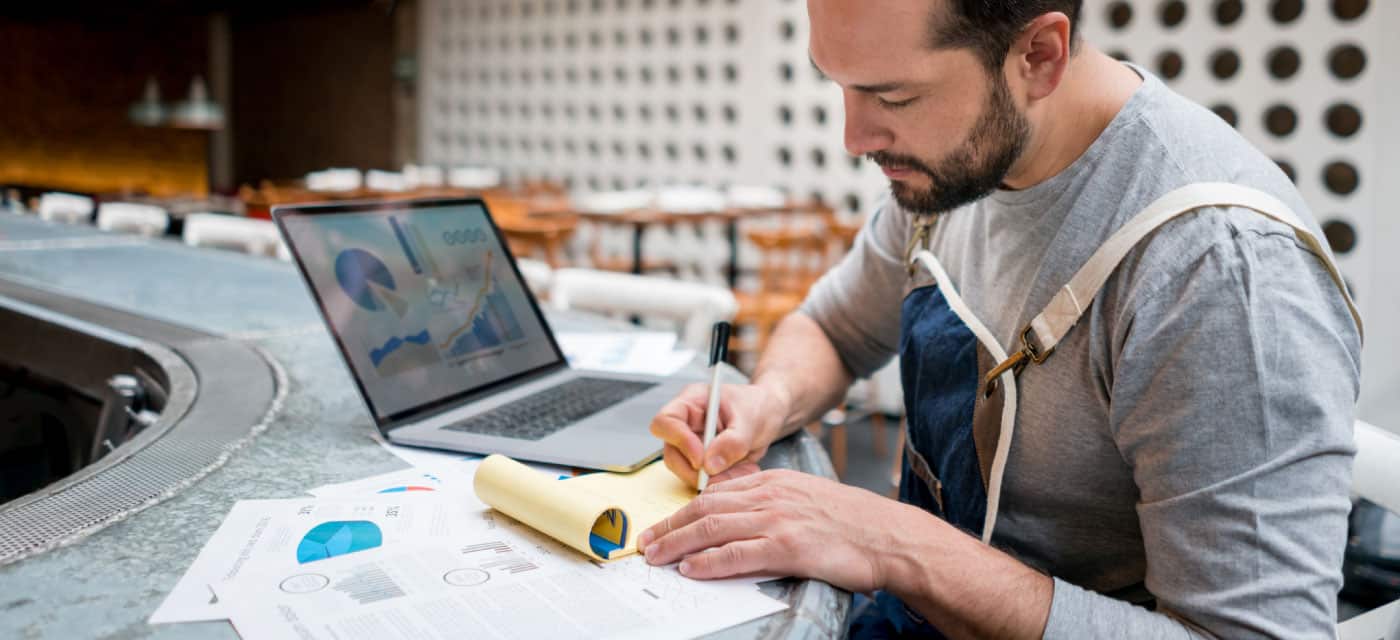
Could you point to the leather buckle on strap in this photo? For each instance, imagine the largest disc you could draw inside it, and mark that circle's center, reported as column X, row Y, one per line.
column 1016, row 363
column 1031, row 351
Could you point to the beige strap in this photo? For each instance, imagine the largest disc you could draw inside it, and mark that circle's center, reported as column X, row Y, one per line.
column 1073, row 299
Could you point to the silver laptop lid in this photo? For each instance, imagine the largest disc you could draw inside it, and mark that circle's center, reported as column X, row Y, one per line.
column 423, row 299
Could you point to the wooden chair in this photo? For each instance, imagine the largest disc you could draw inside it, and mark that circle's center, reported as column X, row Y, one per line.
column 792, row 257
column 531, row 236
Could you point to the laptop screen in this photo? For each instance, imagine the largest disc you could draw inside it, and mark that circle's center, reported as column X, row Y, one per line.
column 424, row 301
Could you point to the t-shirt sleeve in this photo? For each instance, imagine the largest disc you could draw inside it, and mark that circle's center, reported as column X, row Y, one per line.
column 1233, row 390
column 857, row 303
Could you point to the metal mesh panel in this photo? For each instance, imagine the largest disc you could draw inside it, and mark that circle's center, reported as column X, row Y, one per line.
column 163, row 462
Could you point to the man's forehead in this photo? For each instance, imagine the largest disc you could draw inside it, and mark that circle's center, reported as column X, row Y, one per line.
column 872, row 24
column 870, row 43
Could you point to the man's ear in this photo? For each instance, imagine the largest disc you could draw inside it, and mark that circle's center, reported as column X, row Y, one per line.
column 1039, row 56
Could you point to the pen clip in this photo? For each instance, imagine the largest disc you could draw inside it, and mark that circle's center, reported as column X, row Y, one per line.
column 719, row 343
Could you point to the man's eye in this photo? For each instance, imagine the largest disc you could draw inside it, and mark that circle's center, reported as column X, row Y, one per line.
column 894, row 104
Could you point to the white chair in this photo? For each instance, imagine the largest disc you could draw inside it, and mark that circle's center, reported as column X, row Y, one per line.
column 474, row 178
column 334, row 180
column 539, row 276
column 693, row 306
column 65, row 207
column 248, row 235
column 423, row 176
column 386, row 181
column 1376, row 477
column 129, row 217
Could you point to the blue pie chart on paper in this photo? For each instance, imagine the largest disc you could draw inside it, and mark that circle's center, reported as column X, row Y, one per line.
column 357, row 270
column 331, row 539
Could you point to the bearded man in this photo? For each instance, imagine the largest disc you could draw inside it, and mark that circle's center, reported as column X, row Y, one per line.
column 1130, row 367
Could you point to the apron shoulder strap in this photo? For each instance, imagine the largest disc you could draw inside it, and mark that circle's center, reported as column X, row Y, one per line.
column 1071, row 301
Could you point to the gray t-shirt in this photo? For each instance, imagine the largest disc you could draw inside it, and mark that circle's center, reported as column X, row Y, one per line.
column 1181, row 464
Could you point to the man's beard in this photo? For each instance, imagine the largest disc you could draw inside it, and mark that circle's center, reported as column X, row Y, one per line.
column 971, row 171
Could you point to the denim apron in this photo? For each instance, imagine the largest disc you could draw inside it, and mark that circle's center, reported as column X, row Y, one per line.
column 960, row 383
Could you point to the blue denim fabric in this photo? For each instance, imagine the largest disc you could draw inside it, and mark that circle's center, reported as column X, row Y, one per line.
column 938, row 361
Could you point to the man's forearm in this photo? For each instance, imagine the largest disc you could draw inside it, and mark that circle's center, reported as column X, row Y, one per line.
column 801, row 367
column 964, row 587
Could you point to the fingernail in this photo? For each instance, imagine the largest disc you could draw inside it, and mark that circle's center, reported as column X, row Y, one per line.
column 644, row 539
column 715, row 465
column 650, row 551
column 684, row 568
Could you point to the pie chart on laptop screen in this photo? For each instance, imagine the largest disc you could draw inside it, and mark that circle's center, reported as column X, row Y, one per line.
column 367, row 281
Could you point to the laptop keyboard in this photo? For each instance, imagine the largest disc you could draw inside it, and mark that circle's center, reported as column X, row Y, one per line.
column 540, row 414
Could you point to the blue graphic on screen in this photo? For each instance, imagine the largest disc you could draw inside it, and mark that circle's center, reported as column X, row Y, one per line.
column 331, row 539
column 424, row 301
column 403, row 242
column 377, row 356
column 490, row 322
column 358, row 271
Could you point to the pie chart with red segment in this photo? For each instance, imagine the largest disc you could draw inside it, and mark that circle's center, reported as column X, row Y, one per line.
column 406, row 489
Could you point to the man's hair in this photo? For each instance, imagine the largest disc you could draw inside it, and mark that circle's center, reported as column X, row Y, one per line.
column 988, row 27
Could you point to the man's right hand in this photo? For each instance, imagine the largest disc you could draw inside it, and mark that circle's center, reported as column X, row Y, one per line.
column 750, row 418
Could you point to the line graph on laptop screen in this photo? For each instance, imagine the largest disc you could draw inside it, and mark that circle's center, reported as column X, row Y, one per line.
column 424, row 301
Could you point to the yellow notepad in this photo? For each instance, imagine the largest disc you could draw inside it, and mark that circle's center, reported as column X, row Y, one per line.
column 599, row 514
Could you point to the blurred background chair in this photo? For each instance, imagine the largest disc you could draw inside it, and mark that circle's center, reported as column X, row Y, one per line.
column 539, row 276
column 544, row 238
column 1375, row 478
column 474, row 177
column 333, row 180
column 65, row 207
column 690, row 306
column 246, row 235
column 144, row 219
column 791, row 257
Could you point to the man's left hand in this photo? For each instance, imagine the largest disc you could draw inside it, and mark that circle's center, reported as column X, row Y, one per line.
column 779, row 522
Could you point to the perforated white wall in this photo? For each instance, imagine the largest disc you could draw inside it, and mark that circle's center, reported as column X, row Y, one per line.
column 1304, row 80
column 607, row 94
column 620, row 93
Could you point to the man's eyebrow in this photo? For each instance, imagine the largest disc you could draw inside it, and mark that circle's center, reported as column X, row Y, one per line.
column 884, row 87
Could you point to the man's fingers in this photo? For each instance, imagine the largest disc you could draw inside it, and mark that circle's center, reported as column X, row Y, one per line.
column 701, row 506
column 730, row 446
column 741, row 557
column 712, row 530
column 682, row 468
column 676, row 433
column 737, row 471
column 743, row 482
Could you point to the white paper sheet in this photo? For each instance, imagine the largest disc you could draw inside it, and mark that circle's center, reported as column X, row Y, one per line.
column 504, row 583
column 456, row 480
column 283, row 535
column 646, row 353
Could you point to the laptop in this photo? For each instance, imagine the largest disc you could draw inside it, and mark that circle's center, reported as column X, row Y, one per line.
column 447, row 345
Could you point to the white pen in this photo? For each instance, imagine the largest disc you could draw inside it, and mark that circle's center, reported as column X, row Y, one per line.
column 719, row 351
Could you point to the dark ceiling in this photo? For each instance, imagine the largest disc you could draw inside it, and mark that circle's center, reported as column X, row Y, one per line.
column 107, row 11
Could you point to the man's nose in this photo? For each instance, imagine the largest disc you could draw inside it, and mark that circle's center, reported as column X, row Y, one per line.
column 864, row 134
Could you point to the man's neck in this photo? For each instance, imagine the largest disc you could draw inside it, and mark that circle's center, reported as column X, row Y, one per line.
column 1094, row 89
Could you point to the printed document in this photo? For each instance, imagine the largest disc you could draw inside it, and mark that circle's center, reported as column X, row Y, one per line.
column 284, row 535
column 504, row 583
